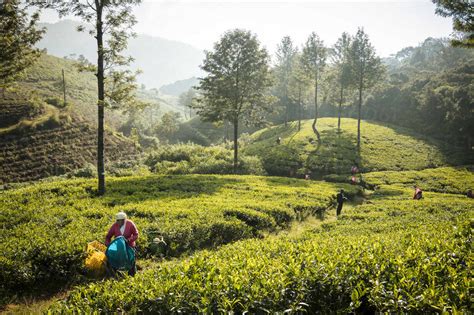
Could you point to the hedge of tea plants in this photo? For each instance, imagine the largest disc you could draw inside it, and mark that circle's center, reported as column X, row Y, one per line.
column 454, row 180
column 390, row 256
column 46, row 226
column 382, row 148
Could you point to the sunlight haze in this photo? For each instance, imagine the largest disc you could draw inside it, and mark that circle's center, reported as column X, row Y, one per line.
column 391, row 25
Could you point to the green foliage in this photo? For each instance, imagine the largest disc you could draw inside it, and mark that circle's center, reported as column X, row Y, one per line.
column 463, row 21
column 196, row 159
column 365, row 68
column 391, row 256
column 50, row 223
column 235, row 89
column 238, row 77
column 428, row 90
column 313, row 59
column 19, row 35
column 453, row 180
column 383, row 148
column 285, row 55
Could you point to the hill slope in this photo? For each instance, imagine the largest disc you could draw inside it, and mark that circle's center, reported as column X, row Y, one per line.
column 38, row 140
column 56, row 151
column 382, row 148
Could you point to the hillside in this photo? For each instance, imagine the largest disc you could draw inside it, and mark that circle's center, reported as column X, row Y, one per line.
column 178, row 87
column 383, row 148
column 162, row 61
column 38, row 140
column 44, row 79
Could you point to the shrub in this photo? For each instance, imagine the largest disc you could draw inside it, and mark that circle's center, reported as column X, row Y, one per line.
column 196, row 159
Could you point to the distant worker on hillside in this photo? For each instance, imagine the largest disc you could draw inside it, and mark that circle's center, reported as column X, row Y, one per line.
column 354, row 170
column 126, row 228
column 340, row 201
column 278, row 140
column 418, row 193
column 470, row 194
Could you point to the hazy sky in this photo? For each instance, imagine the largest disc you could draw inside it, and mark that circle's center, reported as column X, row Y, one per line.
column 391, row 25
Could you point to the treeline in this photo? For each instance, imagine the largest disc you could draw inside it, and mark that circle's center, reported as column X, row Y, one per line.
column 427, row 88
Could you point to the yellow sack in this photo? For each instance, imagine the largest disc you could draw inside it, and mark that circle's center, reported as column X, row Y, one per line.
column 96, row 260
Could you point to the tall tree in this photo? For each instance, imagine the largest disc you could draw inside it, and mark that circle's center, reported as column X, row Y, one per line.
column 366, row 69
column 313, row 60
column 462, row 12
column 298, row 86
column 19, row 34
column 186, row 100
column 237, row 81
column 110, row 23
column 285, row 55
column 340, row 57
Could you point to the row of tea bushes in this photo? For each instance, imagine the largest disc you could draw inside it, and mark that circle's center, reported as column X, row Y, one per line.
column 390, row 256
column 47, row 225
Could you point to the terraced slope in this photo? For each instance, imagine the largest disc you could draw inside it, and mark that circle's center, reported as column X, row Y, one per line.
column 382, row 148
column 46, row 152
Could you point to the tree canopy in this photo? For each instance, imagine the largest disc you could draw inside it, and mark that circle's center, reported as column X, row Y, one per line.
column 20, row 33
column 238, row 78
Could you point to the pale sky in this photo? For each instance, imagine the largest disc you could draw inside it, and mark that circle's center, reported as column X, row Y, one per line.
column 391, row 24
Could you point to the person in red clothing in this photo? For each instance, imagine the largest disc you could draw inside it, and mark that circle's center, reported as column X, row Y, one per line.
column 126, row 228
column 418, row 193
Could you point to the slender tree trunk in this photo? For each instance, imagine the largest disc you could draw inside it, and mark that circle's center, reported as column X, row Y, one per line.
column 359, row 112
column 340, row 109
column 299, row 108
column 101, row 98
column 315, row 130
column 236, row 144
column 286, row 111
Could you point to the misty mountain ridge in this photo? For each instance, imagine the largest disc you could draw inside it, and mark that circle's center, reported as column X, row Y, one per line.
column 179, row 87
column 161, row 61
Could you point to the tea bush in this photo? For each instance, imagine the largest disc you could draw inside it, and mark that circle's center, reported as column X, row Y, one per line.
column 196, row 159
column 382, row 148
column 454, row 180
column 47, row 225
column 388, row 256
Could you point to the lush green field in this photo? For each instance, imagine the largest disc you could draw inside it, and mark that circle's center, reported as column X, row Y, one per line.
column 382, row 148
column 390, row 253
column 454, row 180
column 47, row 225
column 391, row 256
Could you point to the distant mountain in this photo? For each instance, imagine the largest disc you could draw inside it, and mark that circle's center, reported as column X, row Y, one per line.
column 179, row 87
column 162, row 61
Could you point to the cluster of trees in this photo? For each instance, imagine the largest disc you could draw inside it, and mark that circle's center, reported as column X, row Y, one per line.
column 240, row 79
column 242, row 88
column 428, row 88
column 324, row 72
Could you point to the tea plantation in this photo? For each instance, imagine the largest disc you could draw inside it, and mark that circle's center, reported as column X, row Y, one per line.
column 390, row 256
column 383, row 148
column 47, row 225
column 389, row 253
